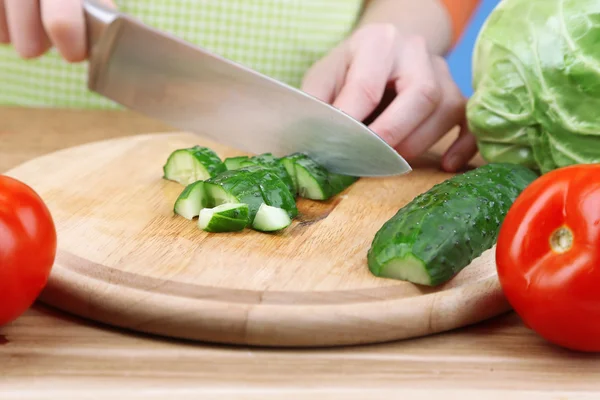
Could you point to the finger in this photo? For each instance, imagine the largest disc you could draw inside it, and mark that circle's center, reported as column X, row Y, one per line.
column 461, row 151
column 418, row 95
column 372, row 61
column 4, row 36
column 449, row 113
column 325, row 78
column 65, row 25
column 25, row 27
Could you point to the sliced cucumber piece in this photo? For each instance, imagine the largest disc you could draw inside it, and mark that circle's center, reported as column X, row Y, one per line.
column 439, row 233
column 232, row 163
column 289, row 163
column 313, row 181
column 338, row 183
column 268, row 160
column 235, row 186
column 274, row 191
column 227, row 217
column 271, row 219
column 231, row 210
column 191, row 200
column 189, row 165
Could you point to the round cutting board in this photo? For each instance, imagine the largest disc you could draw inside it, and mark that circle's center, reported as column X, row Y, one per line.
column 124, row 258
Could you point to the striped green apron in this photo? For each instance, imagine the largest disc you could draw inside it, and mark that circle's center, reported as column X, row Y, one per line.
column 280, row 38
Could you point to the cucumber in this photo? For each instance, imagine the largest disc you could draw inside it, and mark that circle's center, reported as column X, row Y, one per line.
column 235, row 186
column 441, row 231
column 315, row 182
column 227, row 217
column 232, row 163
column 274, row 191
column 289, row 163
column 191, row 200
column 189, row 165
column 271, row 219
column 268, row 160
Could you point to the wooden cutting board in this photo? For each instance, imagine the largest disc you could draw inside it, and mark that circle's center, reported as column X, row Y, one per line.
column 124, row 258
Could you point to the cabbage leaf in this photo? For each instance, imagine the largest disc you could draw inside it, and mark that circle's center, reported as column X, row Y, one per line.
column 536, row 81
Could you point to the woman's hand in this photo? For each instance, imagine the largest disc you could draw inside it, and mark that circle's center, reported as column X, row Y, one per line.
column 34, row 26
column 355, row 76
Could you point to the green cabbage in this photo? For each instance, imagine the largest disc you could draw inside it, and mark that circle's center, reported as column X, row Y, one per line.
column 536, row 81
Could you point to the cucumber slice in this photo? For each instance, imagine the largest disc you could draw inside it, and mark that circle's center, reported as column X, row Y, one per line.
column 268, row 160
column 312, row 180
column 191, row 200
column 188, row 165
column 271, row 219
column 315, row 182
column 232, row 163
column 274, row 191
column 235, row 186
column 338, row 183
column 227, row 217
column 441, row 231
column 289, row 163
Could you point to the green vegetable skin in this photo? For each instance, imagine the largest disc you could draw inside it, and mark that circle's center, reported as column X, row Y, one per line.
column 254, row 186
column 227, row 217
column 266, row 160
column 191, row 200
column 536, row 79
column 192, row 164
column 267, row 185
column 441, row 231
column 313, row 181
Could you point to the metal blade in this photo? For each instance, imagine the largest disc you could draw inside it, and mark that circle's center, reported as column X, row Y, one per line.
column 192, row 89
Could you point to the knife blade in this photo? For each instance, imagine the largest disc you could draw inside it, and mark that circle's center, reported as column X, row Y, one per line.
column 192, row 89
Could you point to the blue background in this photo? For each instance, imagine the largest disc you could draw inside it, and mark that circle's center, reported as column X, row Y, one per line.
column 459, row 60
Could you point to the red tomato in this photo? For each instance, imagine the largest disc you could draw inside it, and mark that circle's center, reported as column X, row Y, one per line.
column 548, row 256
column 27, row 247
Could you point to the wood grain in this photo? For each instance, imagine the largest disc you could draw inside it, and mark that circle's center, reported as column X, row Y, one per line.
column 126, row 259
column 49, row 354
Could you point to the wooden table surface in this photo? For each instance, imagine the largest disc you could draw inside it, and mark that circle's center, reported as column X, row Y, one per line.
column 47, row 354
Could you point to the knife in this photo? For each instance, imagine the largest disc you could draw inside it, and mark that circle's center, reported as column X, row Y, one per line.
column 166, row 78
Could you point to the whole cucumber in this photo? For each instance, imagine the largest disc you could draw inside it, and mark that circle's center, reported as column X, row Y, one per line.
column 441, row 231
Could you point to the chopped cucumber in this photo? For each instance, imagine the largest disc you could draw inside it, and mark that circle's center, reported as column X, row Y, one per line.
column 262, row 183
column 268, row 160
column 338, row 183
column 235, row 186
column 191, row 200
column 274, row 191
column 189, row 165
column 227, row 217
column 289, row 163
column 313, row 181
column 232, row 163
column 439, row 233
column 270, row 219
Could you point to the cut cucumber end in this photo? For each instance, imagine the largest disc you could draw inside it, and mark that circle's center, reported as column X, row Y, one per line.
column 191, row 200
column 218, row 195
column 310, row 186
column 224, row 218
column 189, row 165
column 233, row 163
column 271, row 219
column 409, row 269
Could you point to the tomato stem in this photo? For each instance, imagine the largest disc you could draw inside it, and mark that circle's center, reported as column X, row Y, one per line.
column 561, row 240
